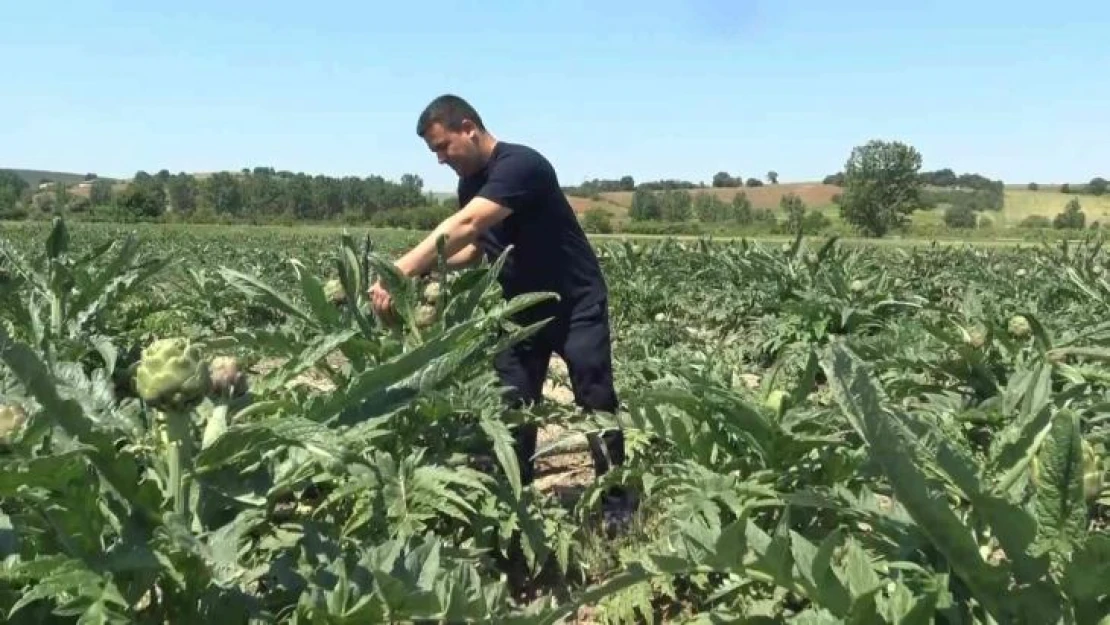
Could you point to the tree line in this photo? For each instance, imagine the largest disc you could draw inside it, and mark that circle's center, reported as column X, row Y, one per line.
column 261, row 194
column 593, row 188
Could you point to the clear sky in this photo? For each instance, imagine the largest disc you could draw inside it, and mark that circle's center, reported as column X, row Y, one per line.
column 1015, row 90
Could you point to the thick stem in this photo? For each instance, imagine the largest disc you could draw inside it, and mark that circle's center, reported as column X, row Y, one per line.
column 179, row 450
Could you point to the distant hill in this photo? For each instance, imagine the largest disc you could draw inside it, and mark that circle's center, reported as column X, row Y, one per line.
column 814, row 194
column 34, row 176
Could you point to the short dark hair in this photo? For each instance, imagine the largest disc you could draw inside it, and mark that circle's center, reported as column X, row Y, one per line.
column 450, row 111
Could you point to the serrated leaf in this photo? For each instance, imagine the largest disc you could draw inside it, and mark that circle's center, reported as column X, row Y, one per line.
column 1060, row 506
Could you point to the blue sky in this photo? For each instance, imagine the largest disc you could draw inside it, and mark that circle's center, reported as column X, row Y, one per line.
column 1014, row 90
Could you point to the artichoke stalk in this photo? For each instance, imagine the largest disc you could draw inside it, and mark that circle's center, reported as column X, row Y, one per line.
column 173, row 377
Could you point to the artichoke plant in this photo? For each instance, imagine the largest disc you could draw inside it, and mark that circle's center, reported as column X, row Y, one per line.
column 173, row 377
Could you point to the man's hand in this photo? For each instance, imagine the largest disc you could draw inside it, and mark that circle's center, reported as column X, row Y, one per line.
column 381, row 301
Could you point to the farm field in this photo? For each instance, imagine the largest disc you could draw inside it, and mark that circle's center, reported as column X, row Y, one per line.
column 200, row 425
column 1019, row 203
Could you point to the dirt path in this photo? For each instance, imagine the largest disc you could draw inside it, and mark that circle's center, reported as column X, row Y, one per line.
column 568, row 473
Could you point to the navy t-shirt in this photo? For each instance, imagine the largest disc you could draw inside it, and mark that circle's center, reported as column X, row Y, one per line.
column 550, row 250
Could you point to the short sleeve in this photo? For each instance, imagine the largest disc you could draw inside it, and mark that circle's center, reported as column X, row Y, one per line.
column 512, row 181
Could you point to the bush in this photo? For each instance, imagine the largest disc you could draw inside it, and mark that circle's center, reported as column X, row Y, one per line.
column 960, row 216
column 814, row 222
column 1035, row 221
column 597, row 220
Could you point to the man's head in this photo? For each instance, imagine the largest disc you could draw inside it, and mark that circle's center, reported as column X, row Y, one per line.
column 455, row 132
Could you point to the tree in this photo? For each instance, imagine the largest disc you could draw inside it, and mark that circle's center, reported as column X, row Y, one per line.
column 1033, row 186
column 741, row 208
column 676, row 205
column 881, row 186
column 1072, row 218
column 1097, row 185
column 773, row 177
column 143, row 199
column 754, row 182
column 795, row 210
column 709, row 208
column 100, row 193
column 181, row 190
column 12, row 189
column 645, row 206
column 724, row 179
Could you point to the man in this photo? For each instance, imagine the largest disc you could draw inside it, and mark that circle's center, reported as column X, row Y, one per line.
column 509, row 194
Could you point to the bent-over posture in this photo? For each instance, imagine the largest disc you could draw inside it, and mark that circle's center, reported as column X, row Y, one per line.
column 509, row 194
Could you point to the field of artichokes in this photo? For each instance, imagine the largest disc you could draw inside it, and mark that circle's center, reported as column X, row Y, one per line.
column 208, row 425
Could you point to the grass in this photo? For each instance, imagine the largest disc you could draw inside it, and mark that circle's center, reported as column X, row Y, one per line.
column 1022, row 203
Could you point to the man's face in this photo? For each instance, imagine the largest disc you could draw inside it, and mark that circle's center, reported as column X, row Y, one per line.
column 457, row 149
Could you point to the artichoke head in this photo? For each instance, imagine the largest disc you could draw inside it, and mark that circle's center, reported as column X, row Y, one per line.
column 172, row 375
column 432, row 292
column 425, row 315
column 333, row 290
column 977, row 337
column 1019, row 327
column 12, row 418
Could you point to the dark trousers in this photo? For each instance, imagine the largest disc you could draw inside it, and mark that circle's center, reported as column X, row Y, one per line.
column 580, row 335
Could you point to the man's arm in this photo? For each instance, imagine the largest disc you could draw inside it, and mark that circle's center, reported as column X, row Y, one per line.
column 462, row 230
column 465, row 257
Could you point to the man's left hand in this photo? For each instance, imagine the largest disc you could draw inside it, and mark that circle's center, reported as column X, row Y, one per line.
column 381, row 301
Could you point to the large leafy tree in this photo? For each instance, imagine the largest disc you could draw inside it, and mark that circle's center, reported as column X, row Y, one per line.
column 881, row 186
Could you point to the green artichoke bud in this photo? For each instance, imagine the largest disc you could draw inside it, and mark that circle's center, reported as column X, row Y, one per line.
column 1019, row 327
column 12, row 418
column 172, row 374
column 977, row 337
column 333, row 290
column 227, row 379
column 425, row 315
column 431, row 293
